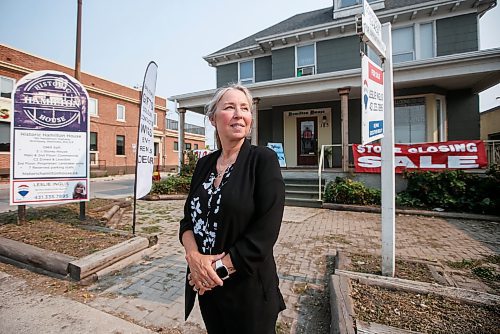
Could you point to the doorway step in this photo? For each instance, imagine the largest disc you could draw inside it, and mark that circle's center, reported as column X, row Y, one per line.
column 303, row 192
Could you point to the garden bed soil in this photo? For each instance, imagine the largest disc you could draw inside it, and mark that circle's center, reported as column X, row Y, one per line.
column 426, row 313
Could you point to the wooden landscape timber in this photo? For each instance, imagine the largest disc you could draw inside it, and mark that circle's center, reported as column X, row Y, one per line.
column 114, row 221
column 110, row 213
column 164, row 197
column 363, row 327
column 469, row 296
column 121, row 204
column 88, row 265
column 35, row 256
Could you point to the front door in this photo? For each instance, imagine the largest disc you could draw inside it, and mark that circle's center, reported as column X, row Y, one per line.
column 307, row 141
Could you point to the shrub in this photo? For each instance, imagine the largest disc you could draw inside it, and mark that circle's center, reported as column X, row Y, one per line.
column 187, row 169
column 347, row 191
column 172, row 185
column 453, row 190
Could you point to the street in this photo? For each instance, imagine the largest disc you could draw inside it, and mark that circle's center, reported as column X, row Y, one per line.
column 106, row 187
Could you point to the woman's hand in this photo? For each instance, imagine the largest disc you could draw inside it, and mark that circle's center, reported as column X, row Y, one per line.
column 202, row 276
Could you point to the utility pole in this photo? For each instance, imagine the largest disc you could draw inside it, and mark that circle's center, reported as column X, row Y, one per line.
column 77, row 70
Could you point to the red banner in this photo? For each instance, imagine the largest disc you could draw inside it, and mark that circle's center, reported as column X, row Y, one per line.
column 470, row 154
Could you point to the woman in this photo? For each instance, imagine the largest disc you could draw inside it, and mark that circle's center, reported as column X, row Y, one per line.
column 79, row 191
column 231, row 222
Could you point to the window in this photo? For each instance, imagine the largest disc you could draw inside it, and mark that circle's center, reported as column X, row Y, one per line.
column 306, row 60
column 93, row 141
column 413, row 43
column 176, row 146
column 4, row 137
column 120, row 145
column 6, row 87
column 172, row 124
column 120, row 113
column 155, row 120
column 93, row 107
column 409, row 120
column 195, row 146
column 156, row 148
column 188, row 146
column 246, row 72
column 349, row 3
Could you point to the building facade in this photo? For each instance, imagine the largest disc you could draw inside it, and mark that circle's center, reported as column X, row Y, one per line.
column 305, row 75
column 114, row 116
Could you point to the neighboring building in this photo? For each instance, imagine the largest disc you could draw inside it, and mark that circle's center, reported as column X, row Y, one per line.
column 194, row 140
column 305, row 73
column 490, row 124
column 113, row 109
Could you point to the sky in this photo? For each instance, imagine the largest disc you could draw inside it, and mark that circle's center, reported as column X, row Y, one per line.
column 120, row 37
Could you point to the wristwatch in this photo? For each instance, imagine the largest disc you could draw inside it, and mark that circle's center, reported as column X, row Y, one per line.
column 221, row 270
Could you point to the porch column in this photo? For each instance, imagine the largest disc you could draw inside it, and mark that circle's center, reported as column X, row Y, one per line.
column 255, row 121
column 182, row 114
column 344, row 108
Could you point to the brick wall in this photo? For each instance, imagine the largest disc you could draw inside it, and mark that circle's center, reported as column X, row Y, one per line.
column 16, row 64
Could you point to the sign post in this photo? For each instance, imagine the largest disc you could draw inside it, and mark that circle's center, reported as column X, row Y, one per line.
column 378, row 119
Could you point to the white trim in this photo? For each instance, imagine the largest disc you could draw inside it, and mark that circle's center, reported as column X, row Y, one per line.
column 13, row 85
column 96, row 107
column 155, row 120
column 308, row 65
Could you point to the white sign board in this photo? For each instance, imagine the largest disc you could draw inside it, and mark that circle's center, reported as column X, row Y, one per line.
column 372, row 101
column 372, row 30
column 145, row 145
column 50, row 140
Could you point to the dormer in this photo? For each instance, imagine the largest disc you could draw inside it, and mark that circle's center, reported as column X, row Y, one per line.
column 349, row 8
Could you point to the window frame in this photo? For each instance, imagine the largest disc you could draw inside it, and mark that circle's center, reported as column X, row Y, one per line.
column 116, row 149
column 8, row 143
column 96, row 107
column 297, row 67
column 246, row 81
column 117, row 113
column 3, row 77
column 417, row 41
column 176, row 146
column 96, row 141
column 155, row 120
column 188, row 146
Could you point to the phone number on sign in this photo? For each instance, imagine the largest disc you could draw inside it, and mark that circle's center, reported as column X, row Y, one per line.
column 52, row 196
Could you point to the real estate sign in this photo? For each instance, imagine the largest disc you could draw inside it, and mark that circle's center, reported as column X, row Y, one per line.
column 49, row 140
column 372, row 101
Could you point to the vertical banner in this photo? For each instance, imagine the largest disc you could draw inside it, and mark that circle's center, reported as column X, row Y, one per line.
column 49, row 140
column 145, row 145
column 372, row 102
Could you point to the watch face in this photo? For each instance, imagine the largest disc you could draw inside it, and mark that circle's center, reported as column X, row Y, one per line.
column 222, row 272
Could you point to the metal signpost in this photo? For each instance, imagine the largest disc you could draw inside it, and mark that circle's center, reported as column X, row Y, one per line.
column 377, row 91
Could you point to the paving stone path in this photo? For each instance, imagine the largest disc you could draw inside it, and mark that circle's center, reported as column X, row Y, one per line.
column 151, row 292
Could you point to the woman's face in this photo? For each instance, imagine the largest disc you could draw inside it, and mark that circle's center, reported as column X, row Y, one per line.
column 233, row 116
column 79, row 189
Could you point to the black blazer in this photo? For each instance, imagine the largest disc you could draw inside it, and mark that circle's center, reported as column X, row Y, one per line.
column 252, row 206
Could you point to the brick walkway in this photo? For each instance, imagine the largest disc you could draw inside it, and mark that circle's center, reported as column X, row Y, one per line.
column 151, row 292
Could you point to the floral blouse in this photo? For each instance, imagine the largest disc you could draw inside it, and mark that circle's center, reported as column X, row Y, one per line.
column 205, row 211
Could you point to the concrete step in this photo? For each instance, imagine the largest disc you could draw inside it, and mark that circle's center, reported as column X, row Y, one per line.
column 308, row 203
column 302, row 194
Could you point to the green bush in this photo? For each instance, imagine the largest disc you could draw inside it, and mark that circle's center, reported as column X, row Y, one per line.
column 347, row 191
column 453, row 190
column 187, row 169
column 172, row 185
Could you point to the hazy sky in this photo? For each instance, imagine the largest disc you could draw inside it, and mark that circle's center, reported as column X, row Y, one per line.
column 120, row 37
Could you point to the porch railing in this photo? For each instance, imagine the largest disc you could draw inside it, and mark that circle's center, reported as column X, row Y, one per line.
column 492, row 153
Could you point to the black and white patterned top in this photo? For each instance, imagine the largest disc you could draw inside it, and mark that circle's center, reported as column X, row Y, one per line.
column 206, row 213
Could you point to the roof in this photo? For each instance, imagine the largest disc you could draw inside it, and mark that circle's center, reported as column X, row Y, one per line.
column 304, row 20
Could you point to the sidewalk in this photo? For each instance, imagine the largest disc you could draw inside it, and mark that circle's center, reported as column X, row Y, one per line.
column 151, row 292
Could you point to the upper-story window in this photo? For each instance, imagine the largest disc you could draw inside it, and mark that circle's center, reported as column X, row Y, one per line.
column 306, row 60
column 120, row 113
column 155, row 120
column 93, row 107
column 413, row 42
column 350, row 3
column 246, row 72
column 6, row 87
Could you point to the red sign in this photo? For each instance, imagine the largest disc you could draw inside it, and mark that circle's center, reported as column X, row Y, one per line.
column 427, row 156
column 375, row 74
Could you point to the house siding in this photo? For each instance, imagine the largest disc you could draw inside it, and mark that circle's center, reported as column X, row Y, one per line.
column 338, row 54
column 457, row 34
column 283, row 63
column 227, row 74
column 463, row 115
column 263, row 69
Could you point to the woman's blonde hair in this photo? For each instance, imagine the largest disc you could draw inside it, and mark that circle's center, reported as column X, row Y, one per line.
column 211, row 106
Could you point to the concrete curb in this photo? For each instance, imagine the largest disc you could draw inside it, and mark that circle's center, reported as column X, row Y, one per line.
column 376, row 209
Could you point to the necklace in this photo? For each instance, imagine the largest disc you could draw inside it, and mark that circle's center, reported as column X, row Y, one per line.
column 222, row 167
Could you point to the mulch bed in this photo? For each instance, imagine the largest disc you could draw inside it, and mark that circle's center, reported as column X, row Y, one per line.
column 426, row 313
column 57, row 228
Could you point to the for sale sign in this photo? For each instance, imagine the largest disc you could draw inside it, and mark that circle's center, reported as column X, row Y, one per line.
column 427, row 156
column 49, row 136
column 372, row 102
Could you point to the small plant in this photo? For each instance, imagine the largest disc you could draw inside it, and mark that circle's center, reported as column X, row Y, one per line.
column 187, row 168
column 172, row 185
column 347, row 191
